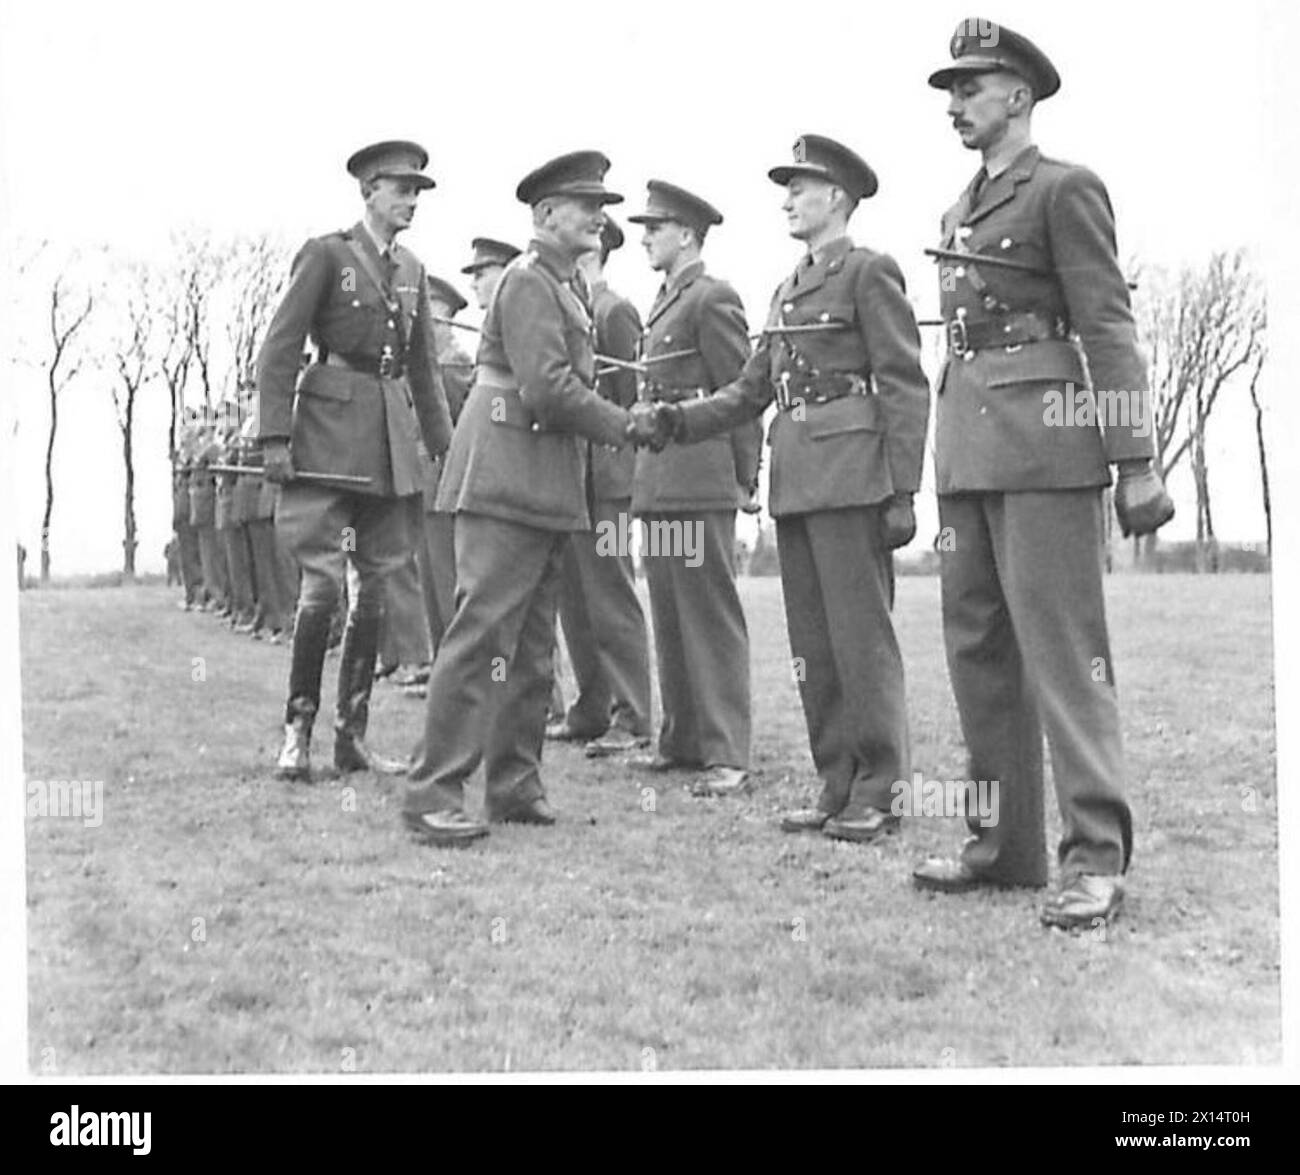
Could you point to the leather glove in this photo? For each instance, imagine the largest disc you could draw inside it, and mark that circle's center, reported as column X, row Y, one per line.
column 276, row 464
column 1141, row 503
column 898, row 521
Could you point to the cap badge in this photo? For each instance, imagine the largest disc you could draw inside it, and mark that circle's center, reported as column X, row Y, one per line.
column 800, row 150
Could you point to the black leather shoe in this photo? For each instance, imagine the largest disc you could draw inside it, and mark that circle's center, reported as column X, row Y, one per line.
column 721, row 781
column 352, row 754
column 947, row 875
column 1082, row 900
column 561, row 731
column 657, row 762
column 444, row 828
column 614, row 742
column 804, row 820
column 536, row 811
column 871, row 825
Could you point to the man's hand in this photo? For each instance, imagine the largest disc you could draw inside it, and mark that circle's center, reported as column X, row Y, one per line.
column 276, row 464
column 898, row 521
column 1141, row 502
column 653, row 425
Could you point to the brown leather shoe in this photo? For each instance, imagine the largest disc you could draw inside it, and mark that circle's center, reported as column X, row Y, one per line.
column 536, row 811
column 614, row 742
column 444, row 829
column 721, row 781
column 947, row 875
column 1082, row 900
column 804, row 820
column 871, row 825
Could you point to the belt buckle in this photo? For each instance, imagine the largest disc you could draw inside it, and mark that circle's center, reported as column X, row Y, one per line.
column 386, row 364
column 958, row 340
column 783, row 391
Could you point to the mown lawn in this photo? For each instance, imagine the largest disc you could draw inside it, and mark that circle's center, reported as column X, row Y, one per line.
column 220, row 921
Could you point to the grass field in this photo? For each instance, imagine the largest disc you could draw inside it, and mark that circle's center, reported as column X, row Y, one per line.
column 216, row 920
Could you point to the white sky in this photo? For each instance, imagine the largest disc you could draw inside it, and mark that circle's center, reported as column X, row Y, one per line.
column 122, row 123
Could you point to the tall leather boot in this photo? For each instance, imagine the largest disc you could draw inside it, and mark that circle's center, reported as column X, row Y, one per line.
column 352, row 708
column 310, row 634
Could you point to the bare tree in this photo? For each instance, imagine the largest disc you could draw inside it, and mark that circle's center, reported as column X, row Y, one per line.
column 1260, row 356
column 131, row 349
column 202, row 267
column 1201, row 328
column 256, row 269
column 176, row 344
column 68, row 314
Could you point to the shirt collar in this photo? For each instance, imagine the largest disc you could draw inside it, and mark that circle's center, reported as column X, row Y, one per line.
column 563, row 266
column 689, row 274
column 832, row 250
column 380, row 247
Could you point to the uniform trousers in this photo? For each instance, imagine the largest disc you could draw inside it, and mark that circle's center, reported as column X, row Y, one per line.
column 837, row 579
column 1028, row 652
column 491, row 678
column 604, row 627
column 700, row 637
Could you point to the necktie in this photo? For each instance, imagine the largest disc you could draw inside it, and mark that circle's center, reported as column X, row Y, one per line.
column 981, row 179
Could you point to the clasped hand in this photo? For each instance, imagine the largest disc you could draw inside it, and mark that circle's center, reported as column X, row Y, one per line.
column 651, row 426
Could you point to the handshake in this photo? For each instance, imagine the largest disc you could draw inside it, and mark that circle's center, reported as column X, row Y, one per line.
column 652, row 426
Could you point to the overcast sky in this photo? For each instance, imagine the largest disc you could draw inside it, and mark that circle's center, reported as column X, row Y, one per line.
column 122, row 123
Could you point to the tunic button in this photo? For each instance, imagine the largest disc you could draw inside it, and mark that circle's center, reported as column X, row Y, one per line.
column 1007, row 242
column 984, row 409
column 668, row 338
column 960, row 271
column 356, row 302
column 826, row 316
column 391, row 324
column 788, row 307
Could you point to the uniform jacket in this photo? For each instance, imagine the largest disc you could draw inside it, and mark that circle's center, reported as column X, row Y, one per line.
column 618, row 334
column 457, row 378
column 700, row 312
column 993, row 431
column 345, row 421
column 180, row 500
column 857, row 450
column 518, row 450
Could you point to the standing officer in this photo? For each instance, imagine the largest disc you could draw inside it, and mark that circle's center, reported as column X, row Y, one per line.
column 1020, row 493
column 203, row 517
column 841, row 356
column 515, row 479
column 604, row 627
column 437, row 552
column 699, row 625
column 187, row 539
column 488, row 264
column 360, row 411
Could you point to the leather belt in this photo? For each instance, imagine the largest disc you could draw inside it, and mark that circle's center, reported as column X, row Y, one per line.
column 965, row 338
column 386, row 366
column 821, row 387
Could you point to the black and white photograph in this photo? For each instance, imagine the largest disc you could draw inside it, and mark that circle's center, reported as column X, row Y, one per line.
column 654, row 544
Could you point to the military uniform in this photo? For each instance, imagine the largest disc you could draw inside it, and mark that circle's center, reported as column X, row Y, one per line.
column 187, row 539
column 361, row 410
column 1020, row 497
column 437, row 553
column 515, row 479
column 203, row 518
column 604, row 626
column 848, row 437
column 701, row 640
column 233, row 503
